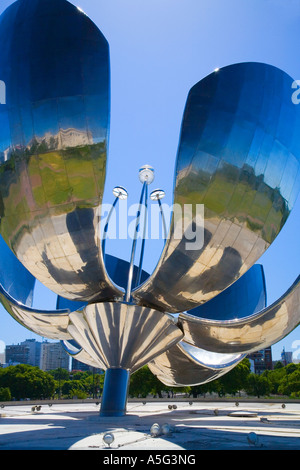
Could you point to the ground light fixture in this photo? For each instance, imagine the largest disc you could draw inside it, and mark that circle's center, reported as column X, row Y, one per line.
column 252, row 439
column 155, row 430
column 108, row 438
column 165, row 429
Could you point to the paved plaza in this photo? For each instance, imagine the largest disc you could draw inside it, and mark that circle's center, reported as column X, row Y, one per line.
column 190, row 426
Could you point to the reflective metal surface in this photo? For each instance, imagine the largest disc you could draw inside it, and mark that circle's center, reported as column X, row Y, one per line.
column 248, row 334
column 78, row 353
column 50, row 324
column 11, row 270
column 181, row 366
column 238, row 155
column 16, row 296
column 53, row 145
column 115, row 390
column 243, row 298
column 118, row 335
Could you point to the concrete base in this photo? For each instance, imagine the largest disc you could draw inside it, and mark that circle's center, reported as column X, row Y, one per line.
column 192, row 427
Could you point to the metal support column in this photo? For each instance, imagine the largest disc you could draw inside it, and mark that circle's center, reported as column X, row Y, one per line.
column 114, row 397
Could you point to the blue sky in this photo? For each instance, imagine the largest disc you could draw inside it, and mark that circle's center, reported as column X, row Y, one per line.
column 159, row 50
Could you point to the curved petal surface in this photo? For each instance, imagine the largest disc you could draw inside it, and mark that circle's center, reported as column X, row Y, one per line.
column 49, row 323
column 243, row 298
column 14, row 277
column 121, row 335
column 249, row 334
column 16, row 296
column 53, row 145
column 239, row 156
column 183, row 365
column 79, row 354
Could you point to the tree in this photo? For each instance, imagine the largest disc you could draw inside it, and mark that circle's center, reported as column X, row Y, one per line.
column 257, row 385
column 5, row 394
column 143, row 382
column 202, row 389
column 274, row 378
column 25, row 381
column 290, row 384
column 60, row 374
column 284, row 380
column 234, row 381
column 278, row 365
column 74, row 388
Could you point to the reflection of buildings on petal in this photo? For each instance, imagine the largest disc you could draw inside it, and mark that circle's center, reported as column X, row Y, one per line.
column 63, row 139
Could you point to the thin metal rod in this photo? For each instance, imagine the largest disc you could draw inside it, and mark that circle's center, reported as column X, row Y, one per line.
column 139, row 275
column 163, row 218
column 131, row 265
column 106, row 225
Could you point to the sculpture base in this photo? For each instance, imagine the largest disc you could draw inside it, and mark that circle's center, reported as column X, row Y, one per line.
column 114, row 397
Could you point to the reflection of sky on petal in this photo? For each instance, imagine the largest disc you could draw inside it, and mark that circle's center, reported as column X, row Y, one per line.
column 245, row 297
column 27, row 123
column 276, row 164
column 71, row 113
column 45, row 118
column 96, row 107
column 210, row 358
column 295, row 189
column 5, row 131
column 10, row 267
column 288, row 177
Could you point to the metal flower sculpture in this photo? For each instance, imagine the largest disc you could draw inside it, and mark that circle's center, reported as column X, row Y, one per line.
column 201, row 310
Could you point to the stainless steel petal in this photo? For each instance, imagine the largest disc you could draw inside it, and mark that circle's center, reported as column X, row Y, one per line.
column 243, row 298
column 50, row 324
column 249, row 334
column 85, row 358
column 183, row 366
column 14, row 278
column 16, row 296
column 239, row 156
column 53, row 145
column 118, row 335
column 79, row 354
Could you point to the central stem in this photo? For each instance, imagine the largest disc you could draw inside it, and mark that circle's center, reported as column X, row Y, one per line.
column 131, row 265
column 114, row 397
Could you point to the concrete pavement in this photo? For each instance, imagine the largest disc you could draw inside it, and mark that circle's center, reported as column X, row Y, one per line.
column 189, row 427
